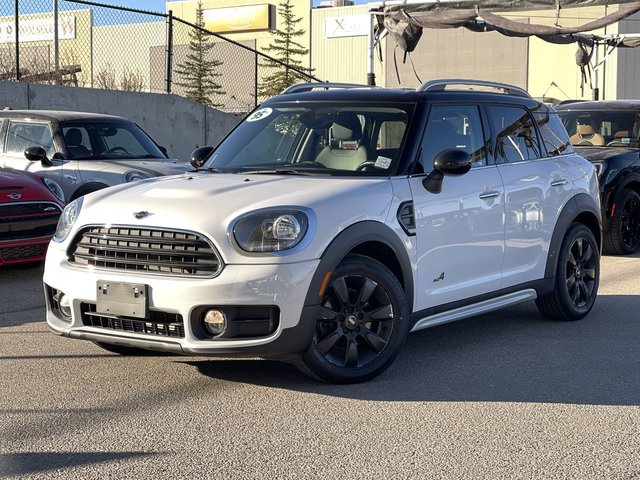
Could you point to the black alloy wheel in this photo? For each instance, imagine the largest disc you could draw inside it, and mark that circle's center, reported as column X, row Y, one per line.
column 361, row 324
column 630, row 222
column 623, row 235
column 581, row 271
column 577, row 277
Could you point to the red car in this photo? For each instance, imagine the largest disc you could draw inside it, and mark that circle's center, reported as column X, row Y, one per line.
column 29, row 213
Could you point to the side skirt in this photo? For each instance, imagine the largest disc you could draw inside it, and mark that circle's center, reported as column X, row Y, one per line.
column 451, row 312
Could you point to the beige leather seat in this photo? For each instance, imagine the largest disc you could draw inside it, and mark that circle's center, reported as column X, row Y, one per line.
column 586, row 135
column 344, row 151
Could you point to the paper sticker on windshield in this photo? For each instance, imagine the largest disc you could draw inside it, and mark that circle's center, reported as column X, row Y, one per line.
column 382, row 162
column 259, row 114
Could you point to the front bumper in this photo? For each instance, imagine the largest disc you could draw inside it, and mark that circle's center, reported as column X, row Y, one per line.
column 284, row 286
column 23, row 251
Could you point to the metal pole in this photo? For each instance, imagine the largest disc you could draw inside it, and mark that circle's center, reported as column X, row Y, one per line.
column 255, row 80
column 595, row 92
column 169, row 65
column 371, row 76
column 17, row 26
column 56, row 49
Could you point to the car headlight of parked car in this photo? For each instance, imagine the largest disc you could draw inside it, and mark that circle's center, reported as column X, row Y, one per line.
column 67, row 219
column 54, row 188
column 135, row 176
column 271, row 230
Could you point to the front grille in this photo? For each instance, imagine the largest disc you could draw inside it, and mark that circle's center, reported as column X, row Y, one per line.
column 145, row 250
column 27, row 251
column 19, row 221
column 159, row 323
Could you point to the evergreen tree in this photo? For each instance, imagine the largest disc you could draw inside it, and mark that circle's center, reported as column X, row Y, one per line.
column 284, row 48
column 199, row 71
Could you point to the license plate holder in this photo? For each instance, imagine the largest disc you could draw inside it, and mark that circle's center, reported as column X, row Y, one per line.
column 122, row 299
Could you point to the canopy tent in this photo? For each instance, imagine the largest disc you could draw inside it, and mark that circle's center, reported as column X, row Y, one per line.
column 405, row 22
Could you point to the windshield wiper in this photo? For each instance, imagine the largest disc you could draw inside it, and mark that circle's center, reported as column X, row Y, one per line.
column 282, row 171
column 209, row 169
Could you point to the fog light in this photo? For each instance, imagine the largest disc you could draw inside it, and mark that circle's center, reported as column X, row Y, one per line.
column 215, row 321
column 65, row 306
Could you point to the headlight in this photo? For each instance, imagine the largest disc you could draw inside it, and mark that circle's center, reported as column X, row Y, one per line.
column 67, row 219
column 271, row 231
column 54, row 188
column 134, row 176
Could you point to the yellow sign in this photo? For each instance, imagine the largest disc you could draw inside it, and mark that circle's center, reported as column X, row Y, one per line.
column 240, row 19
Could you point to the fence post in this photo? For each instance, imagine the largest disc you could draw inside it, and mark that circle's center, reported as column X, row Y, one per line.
column 255, row 80
column 56, row 43
column 17, row 26
column 169, row 62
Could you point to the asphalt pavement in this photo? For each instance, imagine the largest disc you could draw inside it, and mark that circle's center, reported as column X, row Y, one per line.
column 504, row 395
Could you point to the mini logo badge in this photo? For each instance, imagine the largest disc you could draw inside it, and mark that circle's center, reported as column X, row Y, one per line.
column 14, row 196
column 142, row 214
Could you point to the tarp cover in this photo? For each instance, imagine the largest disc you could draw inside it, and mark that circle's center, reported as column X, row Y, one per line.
column 403, row 21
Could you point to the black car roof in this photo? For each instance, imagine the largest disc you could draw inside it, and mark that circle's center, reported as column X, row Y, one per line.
column 397, row 95
column 60, row 115
column 601, row 105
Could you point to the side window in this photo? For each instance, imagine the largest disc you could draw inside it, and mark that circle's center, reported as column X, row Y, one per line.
column 554, row 135
column 21, row 135
column 516, row 137
column 77, row 140
column 389, row 140
column 453, row 126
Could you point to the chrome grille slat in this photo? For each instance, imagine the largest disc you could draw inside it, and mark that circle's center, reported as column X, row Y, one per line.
column 148, row 250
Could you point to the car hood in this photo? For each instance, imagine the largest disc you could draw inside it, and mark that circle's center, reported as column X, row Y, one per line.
column 20, row 186
column 600, row 154
column 152, row 167
column 210, row 203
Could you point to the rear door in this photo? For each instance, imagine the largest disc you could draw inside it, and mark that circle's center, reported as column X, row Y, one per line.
column 460, row 231
column 536, row 188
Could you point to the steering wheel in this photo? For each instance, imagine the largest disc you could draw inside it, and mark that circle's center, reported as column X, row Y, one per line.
column 364, row 165
column 118, row 150
column 311, row 163
column 617, row 143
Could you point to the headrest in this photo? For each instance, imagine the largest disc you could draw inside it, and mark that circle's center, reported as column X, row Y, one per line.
column 585, row 129
column 621, row 134
column 73, row 137
column 346, row 126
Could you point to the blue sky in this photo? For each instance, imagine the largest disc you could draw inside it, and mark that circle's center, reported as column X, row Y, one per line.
column 159, row 5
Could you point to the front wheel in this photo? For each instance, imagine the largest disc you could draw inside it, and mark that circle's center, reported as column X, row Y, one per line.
column 362, row 323
column 624, row 232
column 577, row 277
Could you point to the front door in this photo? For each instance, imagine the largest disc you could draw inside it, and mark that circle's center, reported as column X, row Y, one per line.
column 460, row 231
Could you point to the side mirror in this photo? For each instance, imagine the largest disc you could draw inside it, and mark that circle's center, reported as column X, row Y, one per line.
column 164, row 150
column 200, row 155
column 37, row 154
column 450, row 162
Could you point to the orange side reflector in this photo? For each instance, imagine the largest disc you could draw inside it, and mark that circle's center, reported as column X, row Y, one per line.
column 325, row 282
column 613, row 209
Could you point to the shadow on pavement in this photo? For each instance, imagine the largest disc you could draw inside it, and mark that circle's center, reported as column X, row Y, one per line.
column 513, row 355
column 38, row 462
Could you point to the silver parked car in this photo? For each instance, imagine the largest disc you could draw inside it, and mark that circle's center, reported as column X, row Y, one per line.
column 82, row 152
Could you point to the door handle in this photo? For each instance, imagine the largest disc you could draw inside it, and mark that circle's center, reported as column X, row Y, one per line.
column 488, row 195
column 559, row 183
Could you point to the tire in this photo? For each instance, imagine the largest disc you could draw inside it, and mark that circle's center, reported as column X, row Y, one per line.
column 362, row 323
column 577, row 277
column 623, row 237
column 129, row 351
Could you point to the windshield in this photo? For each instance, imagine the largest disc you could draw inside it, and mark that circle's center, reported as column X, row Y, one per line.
column 600, row 128
column 107, row 140
column 316, row 138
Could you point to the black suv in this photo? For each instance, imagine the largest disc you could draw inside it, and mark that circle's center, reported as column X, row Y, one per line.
column 608, row 134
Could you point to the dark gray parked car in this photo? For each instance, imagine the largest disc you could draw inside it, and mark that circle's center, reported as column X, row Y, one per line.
column 82, row 152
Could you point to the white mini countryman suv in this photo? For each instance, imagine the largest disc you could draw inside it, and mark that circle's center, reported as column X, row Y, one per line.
column 330, row 223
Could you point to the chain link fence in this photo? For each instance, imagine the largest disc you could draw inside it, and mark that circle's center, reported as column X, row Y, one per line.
column 103, row 46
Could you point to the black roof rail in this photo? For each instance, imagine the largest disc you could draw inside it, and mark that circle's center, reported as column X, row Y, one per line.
column 440, row 85
column 307, row 87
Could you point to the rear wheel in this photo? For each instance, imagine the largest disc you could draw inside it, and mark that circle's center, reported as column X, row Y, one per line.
column 624, row 231
column 362, row 323
column 577, row 277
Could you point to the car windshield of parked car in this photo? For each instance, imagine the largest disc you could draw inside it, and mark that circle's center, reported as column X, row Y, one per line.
column 600, row 128
column 107, row 140
column 316, row 138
